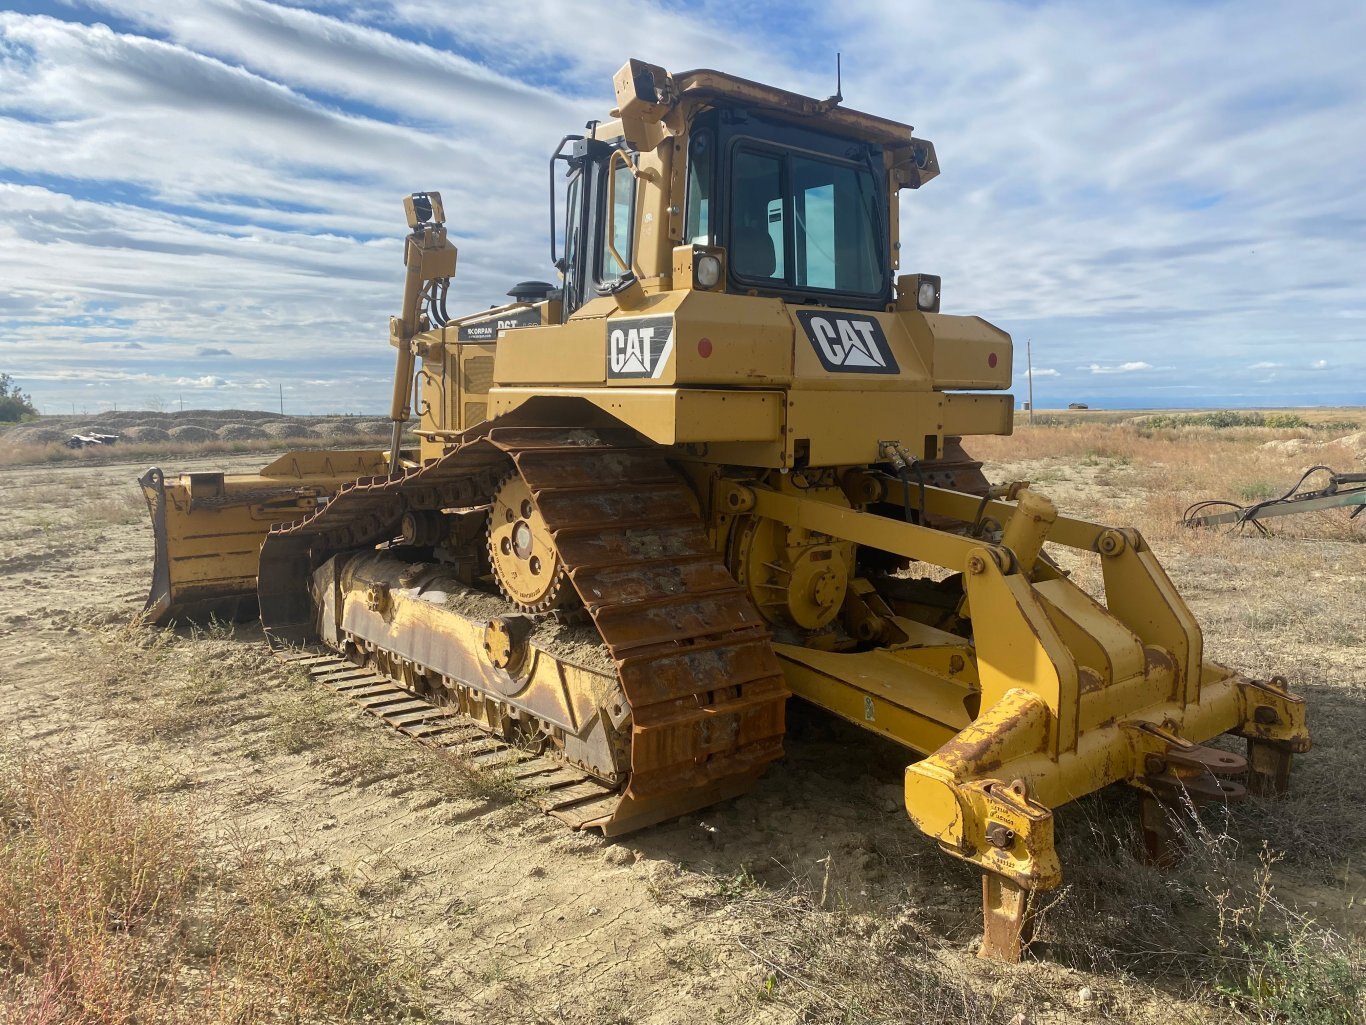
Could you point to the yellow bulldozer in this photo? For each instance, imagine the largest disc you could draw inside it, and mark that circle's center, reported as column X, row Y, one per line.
column 714, row 466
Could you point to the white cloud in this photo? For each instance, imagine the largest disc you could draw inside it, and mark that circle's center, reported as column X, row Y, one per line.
column 226, row 175
column 1023, row 372
column 1319, row 364
column 207, row 381
column 1121, row 368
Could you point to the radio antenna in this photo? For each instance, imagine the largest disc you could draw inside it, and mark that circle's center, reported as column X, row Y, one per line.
column 834, row 101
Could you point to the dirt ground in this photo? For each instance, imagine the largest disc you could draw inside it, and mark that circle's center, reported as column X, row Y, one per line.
column 811, row 899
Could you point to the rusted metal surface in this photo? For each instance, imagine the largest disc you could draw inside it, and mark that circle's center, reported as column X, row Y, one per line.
column 665, row 606
column 1180, row 780
column 1007, row 924
column 705, row 692
column 1268, row 767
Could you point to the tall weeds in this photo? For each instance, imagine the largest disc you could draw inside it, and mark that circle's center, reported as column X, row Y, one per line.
column 91, row 885
column 115, row 910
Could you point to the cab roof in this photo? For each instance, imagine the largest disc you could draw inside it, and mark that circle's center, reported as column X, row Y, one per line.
column 707, row 85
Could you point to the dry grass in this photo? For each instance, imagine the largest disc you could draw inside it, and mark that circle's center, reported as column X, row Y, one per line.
column 1314, row 415
column 1261, row 924
column 1215, row 930
column 88, row 882
column 1150, row 477
column 1211, row 941
column 823, row 963
column 211, row 685
column 116, row 909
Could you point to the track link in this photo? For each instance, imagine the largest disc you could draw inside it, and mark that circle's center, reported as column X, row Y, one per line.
column 571, row 796
column 693, row 655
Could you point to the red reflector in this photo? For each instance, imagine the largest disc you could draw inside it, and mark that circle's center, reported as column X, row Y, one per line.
column 991, row 361
column 704, row 348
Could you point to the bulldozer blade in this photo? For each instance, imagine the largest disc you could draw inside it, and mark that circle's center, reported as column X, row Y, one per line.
column 207, row 529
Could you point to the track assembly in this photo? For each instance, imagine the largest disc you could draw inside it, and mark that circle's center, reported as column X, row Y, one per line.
column 698, row 698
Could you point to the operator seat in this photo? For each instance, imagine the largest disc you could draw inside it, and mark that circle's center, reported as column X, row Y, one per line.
column 751, row 251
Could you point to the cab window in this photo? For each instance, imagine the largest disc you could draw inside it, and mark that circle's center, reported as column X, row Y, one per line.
column 573, row 221
column 758, row 246
column 804, row 222
column 621, row 221
column 701, row 200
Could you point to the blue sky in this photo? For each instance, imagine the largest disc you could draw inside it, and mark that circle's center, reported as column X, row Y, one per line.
column 201, row 199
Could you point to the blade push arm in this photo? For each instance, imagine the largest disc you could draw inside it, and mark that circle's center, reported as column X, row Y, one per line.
column 430, row 259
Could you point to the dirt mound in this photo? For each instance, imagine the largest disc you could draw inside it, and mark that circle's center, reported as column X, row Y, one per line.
column 222, row 415
column 373, row 428
column 1326, row 451
column 238, row 415
column 192, row 432
column 36, row 436
column 335, row 428
column 1292, row 445
column 143, row 435
column 241, row 432
column 287, row 429
column 1355, row 443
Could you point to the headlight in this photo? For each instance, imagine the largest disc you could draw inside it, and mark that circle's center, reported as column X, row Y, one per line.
column 921, row 289
column 707, row 271
column 927, row 298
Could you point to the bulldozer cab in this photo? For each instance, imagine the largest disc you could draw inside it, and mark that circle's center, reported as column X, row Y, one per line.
column 597, row 237
column 721, row 245
column 794, row 198
column 803, row 214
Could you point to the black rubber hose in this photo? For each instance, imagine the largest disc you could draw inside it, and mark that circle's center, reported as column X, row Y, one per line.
column 903, row 471
column 920, row 477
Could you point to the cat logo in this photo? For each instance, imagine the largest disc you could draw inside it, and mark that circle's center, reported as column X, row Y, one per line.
column 848, row 343
column 639, row 347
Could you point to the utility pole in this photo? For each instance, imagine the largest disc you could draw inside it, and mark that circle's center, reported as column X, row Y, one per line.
column 182, row 403
column 1029, row 364
column 282, row 400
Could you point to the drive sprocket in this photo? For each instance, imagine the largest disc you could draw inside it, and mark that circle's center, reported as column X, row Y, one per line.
column 522, row 554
